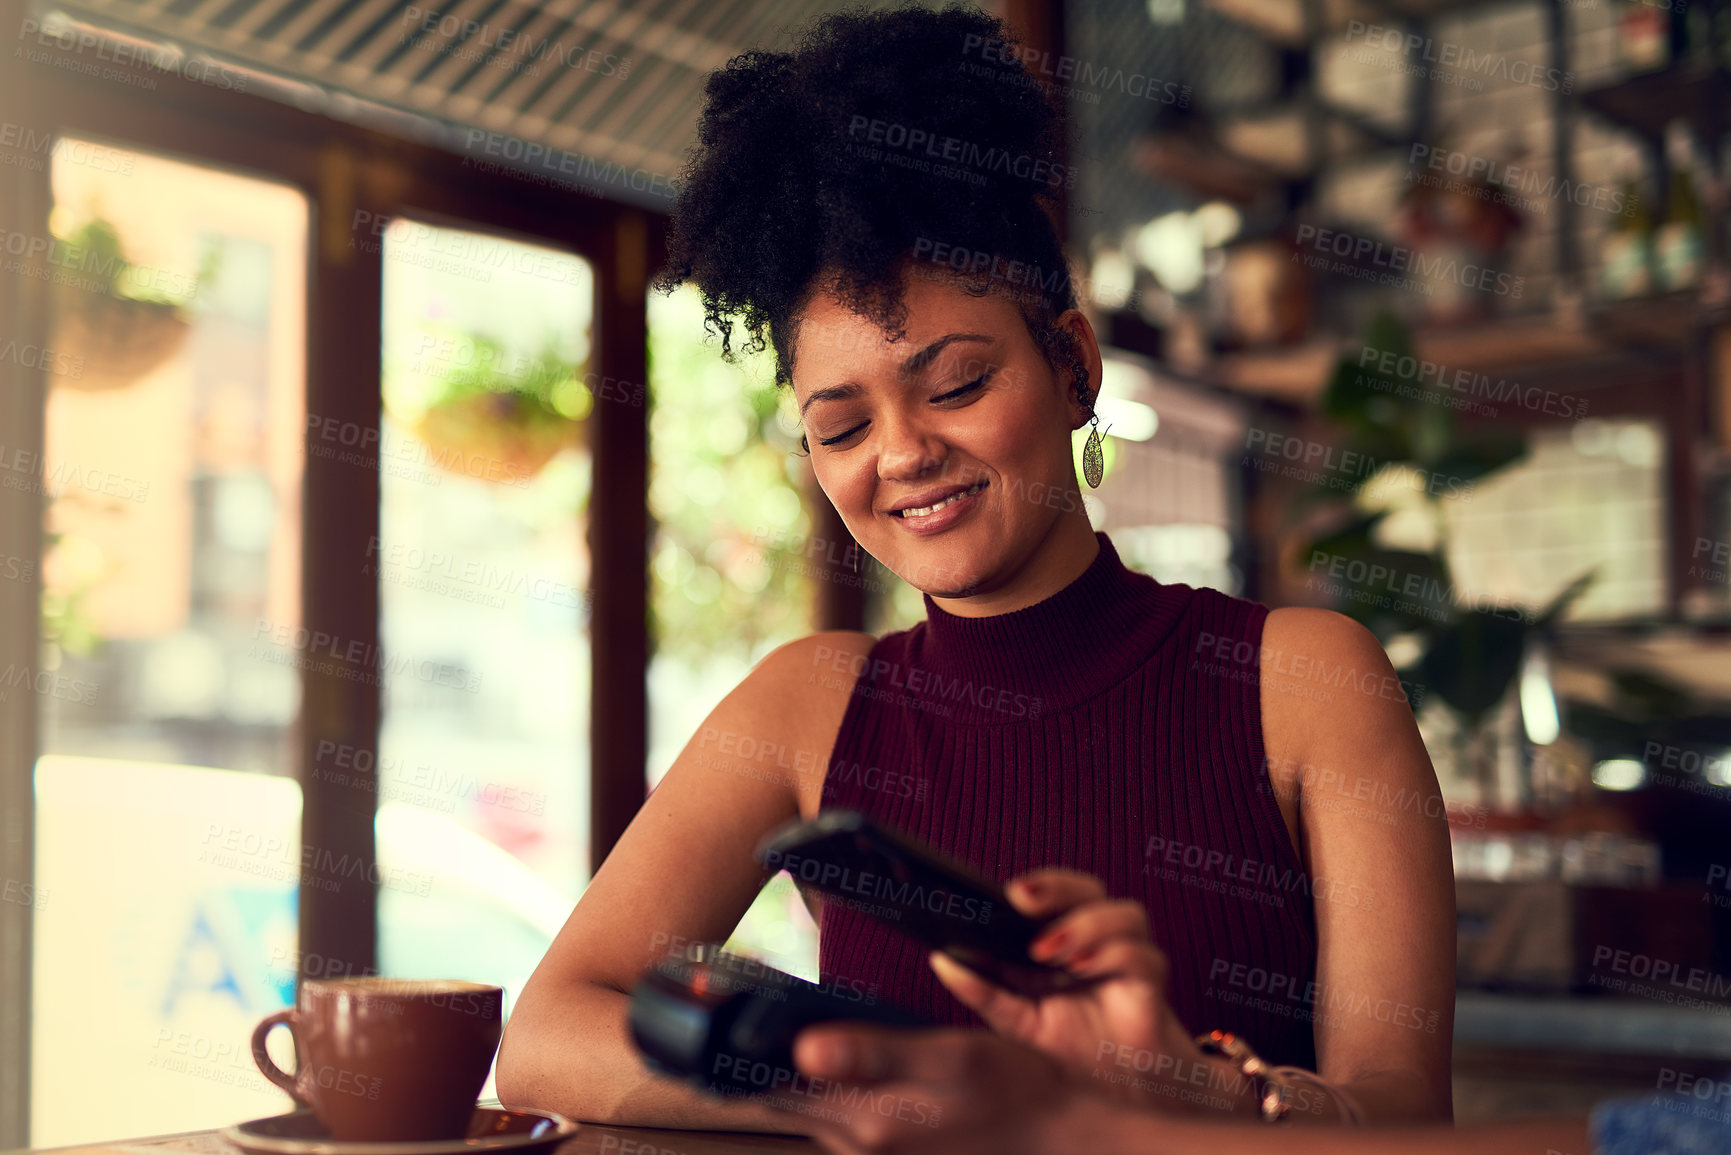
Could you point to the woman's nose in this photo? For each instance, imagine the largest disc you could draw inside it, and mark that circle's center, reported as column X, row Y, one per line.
column 909, row 454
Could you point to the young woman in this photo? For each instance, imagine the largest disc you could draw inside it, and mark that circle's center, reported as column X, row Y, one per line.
column 875, row 205
column 969, row 1093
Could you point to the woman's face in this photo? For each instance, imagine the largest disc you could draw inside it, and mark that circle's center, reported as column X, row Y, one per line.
column 963, row 410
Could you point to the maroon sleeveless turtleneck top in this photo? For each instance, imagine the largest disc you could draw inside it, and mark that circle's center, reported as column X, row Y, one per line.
column 1114, row 728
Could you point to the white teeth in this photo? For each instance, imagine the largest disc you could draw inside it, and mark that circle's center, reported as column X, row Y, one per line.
column 928, row 510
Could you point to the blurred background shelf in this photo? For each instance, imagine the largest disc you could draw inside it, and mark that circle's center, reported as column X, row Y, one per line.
column 1633, row 1027
column 1647, row 103
column 1610, row 340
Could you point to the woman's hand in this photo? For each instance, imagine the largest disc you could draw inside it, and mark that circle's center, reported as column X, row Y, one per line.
column 1118, row 1031
column 949, row 1092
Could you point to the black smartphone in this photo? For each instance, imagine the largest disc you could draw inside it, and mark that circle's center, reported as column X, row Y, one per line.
column 934, row 899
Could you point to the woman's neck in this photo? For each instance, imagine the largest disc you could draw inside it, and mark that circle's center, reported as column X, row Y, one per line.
column 1059, row 558
column 1044, row 656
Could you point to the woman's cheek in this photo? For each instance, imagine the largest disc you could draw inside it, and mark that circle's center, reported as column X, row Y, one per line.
column 850, row 489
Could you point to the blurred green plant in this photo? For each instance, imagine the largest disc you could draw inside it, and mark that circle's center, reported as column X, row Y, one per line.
column 66, row 583
column 542, row 389
column 101, row 248
column 730, row 565
column 1467, row 654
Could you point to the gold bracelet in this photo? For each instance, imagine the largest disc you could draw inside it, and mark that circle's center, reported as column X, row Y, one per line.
column 1276, row 1082
column 1271, row 1098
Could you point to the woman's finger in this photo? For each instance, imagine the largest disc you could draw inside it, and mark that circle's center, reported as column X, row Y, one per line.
column 880, row 1056
column 1003, row 1011
column 1121, row 958
column 1053, row 890
column 1087, row 928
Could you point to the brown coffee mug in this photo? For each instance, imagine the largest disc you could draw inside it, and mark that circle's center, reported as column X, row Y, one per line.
column 382, row 1059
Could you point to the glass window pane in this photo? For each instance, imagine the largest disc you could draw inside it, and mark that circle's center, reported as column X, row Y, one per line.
column 483, row 568
column 733, row 559
column 172, row 466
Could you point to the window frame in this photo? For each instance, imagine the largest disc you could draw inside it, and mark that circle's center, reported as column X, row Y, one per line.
column 344, row 170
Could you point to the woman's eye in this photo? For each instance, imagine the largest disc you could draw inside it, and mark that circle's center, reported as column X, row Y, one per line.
column 970, row 387
column 840, row 437
column 953, row 395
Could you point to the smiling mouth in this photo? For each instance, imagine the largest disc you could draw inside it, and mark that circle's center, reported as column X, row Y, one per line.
column 928, row 510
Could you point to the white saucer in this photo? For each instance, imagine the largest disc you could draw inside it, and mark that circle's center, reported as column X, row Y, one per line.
column 491, row 1129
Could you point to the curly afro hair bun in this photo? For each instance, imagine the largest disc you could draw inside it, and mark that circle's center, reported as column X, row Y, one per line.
column 882, row 139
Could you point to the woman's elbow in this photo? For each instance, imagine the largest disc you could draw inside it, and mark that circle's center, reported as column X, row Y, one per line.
column 514, row 1073
column 554, row 1055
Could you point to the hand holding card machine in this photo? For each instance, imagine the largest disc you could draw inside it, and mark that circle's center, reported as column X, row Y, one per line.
column 727, row 1023
column 934, row 899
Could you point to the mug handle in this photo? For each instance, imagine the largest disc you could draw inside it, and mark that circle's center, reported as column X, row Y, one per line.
column 262, row 1057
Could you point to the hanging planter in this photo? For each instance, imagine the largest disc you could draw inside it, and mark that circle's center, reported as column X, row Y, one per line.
column 117, row 339
column 500, row 437
column 501, row 418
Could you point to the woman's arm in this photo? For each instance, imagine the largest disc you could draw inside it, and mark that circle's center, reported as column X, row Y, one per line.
column 1127, row 1130
column 972, row 1093
column 1373, row 835
column 683, row 873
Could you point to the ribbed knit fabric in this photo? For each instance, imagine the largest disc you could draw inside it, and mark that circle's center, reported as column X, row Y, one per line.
column 1114, row 728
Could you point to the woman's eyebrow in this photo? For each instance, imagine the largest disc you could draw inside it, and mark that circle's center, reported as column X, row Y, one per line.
column 924, row 357
column 830, row 393
column 908, row 368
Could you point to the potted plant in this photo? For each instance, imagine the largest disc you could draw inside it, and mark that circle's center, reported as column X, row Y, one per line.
column 1467, row 656
column 122, row 325
column 500, row 416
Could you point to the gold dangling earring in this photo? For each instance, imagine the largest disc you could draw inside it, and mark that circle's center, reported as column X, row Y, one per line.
column 1093, row 459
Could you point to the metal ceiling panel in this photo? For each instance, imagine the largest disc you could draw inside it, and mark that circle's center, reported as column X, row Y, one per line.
column 615, row 82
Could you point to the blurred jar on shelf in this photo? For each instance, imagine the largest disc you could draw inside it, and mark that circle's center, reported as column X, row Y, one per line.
column 1680, row 244
column 1627, row 254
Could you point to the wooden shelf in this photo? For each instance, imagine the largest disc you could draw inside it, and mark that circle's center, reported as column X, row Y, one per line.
column 1246, row 151
column 1647, row 103
column 1664, row 321
column 1423, row 10
column 1693, row 652
column 1282, row 21
column 1297, row 373
column 1191, row 162
column 1613, row 337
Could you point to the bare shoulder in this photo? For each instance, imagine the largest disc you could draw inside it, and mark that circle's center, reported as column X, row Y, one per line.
column 802, row 688
column 805, row 663
column 1310, row 628
column 1324, row 669
column 1330, row 699
column 1337, row 721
